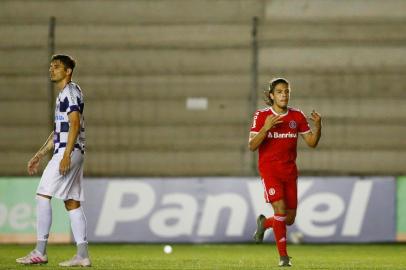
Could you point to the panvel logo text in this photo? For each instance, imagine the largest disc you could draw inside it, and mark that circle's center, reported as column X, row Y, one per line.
column 207, row 210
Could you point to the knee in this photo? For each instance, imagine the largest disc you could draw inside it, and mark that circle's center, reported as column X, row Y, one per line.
column 290, row 220
column 279, row 207
column 290, row 217
column 280, row 211
column 71, row 204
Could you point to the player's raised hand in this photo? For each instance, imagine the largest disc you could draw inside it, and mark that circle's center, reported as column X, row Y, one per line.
column 316, row 118
column 271, row 121
column 33, row 164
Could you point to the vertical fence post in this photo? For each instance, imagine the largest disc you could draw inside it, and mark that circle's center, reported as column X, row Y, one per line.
column 254, row 82
column 51, row 51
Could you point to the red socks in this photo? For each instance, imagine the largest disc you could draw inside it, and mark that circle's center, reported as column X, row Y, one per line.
column 279, row 230
column 277, row 222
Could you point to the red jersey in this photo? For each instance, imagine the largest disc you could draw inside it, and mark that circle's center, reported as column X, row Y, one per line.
column 278, row 151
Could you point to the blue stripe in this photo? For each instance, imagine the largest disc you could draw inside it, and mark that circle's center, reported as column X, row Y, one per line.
column 63, row 145
column 64, row 127
column 81, row 105
column 57, row 137
column 74, row 108
column 63, row 106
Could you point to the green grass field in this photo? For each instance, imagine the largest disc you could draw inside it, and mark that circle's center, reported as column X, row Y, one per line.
column 220, row 256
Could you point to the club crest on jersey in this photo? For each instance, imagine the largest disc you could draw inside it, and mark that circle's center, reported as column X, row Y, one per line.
column 271, row 191
column 292, row 124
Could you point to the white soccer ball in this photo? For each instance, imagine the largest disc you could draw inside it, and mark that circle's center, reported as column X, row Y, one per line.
column 296, row 237
column 168, row 249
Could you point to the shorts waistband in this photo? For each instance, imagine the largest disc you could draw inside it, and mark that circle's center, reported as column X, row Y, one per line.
column 63, row 146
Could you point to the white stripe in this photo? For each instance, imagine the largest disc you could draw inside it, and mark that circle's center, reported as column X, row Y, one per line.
column 305, row 132
column 265, row 190
column 283, row 239
column 280, row 114
column 279, row 218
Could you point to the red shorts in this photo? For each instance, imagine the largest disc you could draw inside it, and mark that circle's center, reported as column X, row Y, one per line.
column 276, row 189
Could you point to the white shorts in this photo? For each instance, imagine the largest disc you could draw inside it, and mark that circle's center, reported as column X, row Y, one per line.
column 63, row 187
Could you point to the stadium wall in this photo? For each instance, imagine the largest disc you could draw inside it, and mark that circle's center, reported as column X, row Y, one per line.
column 211, row 209
column 401, row 209
column 140, row 61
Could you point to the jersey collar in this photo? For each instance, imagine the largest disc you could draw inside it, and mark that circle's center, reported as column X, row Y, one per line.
column 275, row 113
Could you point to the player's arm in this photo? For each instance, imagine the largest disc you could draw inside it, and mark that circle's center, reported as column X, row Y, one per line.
column 74, row 128
column 32, row 166
column 312, row 138
column 256, row 138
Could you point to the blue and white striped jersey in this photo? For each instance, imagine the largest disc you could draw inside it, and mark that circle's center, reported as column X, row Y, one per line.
column 70, row 99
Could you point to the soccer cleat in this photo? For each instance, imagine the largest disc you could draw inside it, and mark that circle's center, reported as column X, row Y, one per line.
column 76, row 261
column 259, row 233
column 34, row 257
column 284, row 261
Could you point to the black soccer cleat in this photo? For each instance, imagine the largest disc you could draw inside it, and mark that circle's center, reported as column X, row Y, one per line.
column 284, row 261
column 259, row 233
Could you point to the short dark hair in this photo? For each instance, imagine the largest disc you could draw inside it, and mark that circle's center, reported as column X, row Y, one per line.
column 271, row 87
column 66, row 60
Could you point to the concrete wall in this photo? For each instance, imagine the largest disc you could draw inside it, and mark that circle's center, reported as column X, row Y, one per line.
column 138, row 62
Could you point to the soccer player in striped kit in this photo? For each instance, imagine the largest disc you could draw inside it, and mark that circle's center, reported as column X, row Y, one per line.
column 62, row 177
column 274, row 132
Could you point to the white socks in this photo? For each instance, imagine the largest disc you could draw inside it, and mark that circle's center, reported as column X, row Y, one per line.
column 78, row 225
column 44, row 221
column 44, row 218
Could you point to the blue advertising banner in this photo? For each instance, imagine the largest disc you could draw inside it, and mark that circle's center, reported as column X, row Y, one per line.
column 197, row 210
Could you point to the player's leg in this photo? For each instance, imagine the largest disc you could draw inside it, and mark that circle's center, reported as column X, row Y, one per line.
column 287, row 208
column 76, row 215
column 290, row 216
column 270, row 185
column 44, row 215
column 279, row 230
column 263, row 223
column 270, row 193
column 291, row 205
column 260, row 231
column 44, row 222
column 279, row 226
column 78, row 225
column 290, row 191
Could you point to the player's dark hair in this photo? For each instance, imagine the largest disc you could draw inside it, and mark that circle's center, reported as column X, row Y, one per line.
column 66, row 60
column 271, row 87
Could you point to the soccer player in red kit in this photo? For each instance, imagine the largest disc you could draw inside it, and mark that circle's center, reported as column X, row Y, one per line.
column 274, row 133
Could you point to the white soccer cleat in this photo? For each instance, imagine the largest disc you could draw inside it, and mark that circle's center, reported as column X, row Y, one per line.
column 76, row 261
column 34, row 257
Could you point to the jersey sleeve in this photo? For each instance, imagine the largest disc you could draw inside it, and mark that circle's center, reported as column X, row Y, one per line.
column 257, row 121
column 73, row 98
column 303, row 126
